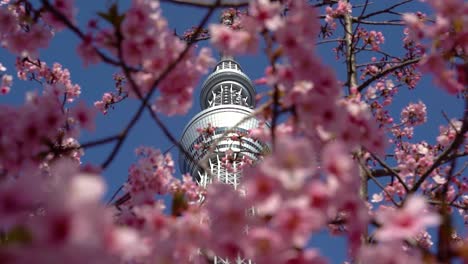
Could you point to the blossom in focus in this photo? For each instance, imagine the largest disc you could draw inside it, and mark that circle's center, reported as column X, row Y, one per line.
column 414, row 114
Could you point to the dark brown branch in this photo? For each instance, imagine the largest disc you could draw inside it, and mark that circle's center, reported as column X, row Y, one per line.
column 99, row 142
column 386, row 10
column 115, row 194
column 369, row 175
column 382, row 172
column 329, row 41
column 388, row 168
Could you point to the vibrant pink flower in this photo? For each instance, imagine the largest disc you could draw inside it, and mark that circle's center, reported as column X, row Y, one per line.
column 295, row 221
column 266, row 13
column 264, row 245
column 407, row 221
column 292, row 164
column 392, row 252
column 84, row 115
column 232, row 41
column 87, row 52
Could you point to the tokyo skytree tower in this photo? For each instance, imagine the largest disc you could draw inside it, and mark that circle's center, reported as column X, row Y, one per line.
column 218, row 136
column 227, row 99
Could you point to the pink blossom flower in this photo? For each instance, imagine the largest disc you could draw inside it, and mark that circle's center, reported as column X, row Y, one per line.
column 264, row 245
column 266, row 13
column 295, row 221
column 407, row 221
column 5, row 83
column 338, row 164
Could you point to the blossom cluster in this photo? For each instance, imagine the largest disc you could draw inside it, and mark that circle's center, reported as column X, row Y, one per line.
column 50, row 214
column 328, row 145
column 343, row 8
column 6, row 81
column 109, row 99
column 56, row 79
column 146, row 41
column 447, row 41
column 20, row 33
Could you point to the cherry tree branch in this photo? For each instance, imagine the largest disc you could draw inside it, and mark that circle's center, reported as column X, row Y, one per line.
column 369, row 175
column 383, row 172
column 144, row 100
column 77, row 31
column 123, row 134
column 459, row 138
column 214, row 4
column 385, row 72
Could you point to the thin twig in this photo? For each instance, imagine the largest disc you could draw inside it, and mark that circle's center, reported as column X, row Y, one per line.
column 385, row 72
column 388, row 168
column 209, row 5
column 144, row 101
column 382, row 23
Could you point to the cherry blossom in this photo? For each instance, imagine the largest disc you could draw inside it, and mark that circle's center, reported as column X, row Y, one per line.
column 84, row 116
column 406, row 222
column 286, row 166
column 66, row 8
column 341, row 156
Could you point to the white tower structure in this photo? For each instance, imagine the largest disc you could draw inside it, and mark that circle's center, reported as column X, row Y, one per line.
column 212, row 137
column 218, row 137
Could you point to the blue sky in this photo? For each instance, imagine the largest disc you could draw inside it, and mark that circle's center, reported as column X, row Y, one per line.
column 97, row 79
